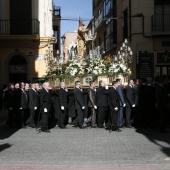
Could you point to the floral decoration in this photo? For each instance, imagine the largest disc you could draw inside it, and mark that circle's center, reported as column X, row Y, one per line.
column 96, row 66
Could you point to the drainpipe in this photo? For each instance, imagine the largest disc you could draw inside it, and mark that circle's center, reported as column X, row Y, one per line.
column 130, row 21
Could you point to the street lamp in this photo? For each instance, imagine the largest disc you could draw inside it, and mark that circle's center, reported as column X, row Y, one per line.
column 63, row 39
column 63, row 42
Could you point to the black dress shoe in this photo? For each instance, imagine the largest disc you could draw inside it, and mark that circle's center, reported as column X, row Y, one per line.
column 32, row 126
column 62, row 127
column 46, row 130
column 122, row 126
column 101, row 126
column 129, row 126
column 116, row 129
column 93, row 126
column 81, row 127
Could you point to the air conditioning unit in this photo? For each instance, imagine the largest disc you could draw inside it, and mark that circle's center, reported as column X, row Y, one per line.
column 30, row 53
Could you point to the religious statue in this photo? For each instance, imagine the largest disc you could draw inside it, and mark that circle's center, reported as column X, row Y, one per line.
column 81, row 42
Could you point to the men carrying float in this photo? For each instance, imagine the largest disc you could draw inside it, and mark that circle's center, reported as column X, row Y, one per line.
column 79, row 105
column 10, row 98
column 34, row 104
column 62, row 94
column 46, row 106
column 102, row 102
column 21, row 104
column 114, row 105
column 130, row 102
column 122, row 103
column 92, row 103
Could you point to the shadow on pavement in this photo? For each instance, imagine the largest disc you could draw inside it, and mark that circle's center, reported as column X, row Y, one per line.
column 157, row 137
column 4, row 146
column 6, row 132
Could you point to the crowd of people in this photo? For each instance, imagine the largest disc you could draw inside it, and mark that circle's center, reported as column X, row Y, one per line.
column 137, row 103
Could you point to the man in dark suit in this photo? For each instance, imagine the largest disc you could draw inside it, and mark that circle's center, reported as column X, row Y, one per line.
column 92, row 103
column 22, row 104
column 130, row 101
column 79, row 105
column 63, row 105
column 114, row 105
column 122, row 102
column 162, row 102
column 34, row 103
column 102, row 102
column 71, row 106
column 10, row 98
column 46, row 106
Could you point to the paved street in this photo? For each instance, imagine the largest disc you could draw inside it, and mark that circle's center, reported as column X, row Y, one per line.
column 84, row 149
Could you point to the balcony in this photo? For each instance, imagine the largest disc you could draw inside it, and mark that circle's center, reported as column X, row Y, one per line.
column 109, row 13
column 98, row 21
column 110, row 42
column 160, row 25
column 19, row 27
column 56, row 11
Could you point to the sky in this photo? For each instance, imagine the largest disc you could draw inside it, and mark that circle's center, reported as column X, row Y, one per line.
column 73, row 9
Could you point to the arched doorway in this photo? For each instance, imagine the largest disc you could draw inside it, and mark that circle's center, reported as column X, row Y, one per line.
column 17, row 69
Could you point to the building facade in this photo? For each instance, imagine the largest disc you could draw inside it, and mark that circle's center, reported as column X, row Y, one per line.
column 26, row 30
column 69, row 44
column 146, row 26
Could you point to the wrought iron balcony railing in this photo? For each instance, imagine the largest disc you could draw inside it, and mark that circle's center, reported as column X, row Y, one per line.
column 98, row 21
column 57, row 11
column 161, row 23
column 19, row 27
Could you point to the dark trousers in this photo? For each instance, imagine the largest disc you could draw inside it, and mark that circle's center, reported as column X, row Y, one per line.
column 44, row 120
column 101, row 116
column 62, row 117
column 128, row 115
column 31, row 120
column 114, row 118
column 11, row 115
column 79, row 118
column 120, row 117
column 92, row 117
column 20, row 117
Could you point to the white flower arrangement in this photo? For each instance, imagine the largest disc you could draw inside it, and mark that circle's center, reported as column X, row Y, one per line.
column 74, row 68
column 117, row 67
column 96, row 66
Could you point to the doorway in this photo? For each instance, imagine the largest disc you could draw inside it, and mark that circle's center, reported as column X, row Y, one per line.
column 17, row 69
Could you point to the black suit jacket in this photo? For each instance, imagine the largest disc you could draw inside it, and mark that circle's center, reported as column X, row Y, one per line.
column 10, row 97
column 114, row 99
column 62, row 94
column 34, row 100
column 21, row 99
column 121, row 95
column 102, row 97
column 71, row 104
column 130, row 97
column 78, row 95
column 92, row 98
column 45, row 100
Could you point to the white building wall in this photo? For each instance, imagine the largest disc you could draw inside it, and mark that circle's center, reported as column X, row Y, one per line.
column 41, row 10
column 45, row 18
